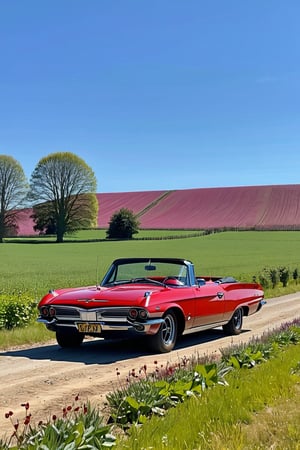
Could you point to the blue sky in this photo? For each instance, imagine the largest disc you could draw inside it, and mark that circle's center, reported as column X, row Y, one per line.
column 160, row 94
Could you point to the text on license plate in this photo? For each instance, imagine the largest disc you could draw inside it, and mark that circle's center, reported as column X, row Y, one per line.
column 85, row 327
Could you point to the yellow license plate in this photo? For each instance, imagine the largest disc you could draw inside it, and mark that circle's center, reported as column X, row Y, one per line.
column 85, row 327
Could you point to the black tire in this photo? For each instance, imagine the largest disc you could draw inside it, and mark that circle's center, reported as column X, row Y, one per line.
column 69, row 339
column 165, row 339
column 235, row 324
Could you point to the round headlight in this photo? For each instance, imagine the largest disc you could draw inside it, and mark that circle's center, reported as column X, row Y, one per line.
column 143, row 314
column 133, row 313
column 44, row 311
column 52, row 311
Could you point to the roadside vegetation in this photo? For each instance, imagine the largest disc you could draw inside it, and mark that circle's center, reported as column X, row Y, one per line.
column 247, row 413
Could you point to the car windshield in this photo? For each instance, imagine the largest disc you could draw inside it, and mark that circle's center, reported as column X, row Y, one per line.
column 139, row 271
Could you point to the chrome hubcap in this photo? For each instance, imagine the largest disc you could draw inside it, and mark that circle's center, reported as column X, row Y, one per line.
column 168, row 331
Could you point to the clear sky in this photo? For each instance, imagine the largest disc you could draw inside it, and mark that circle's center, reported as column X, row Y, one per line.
column 154, row 94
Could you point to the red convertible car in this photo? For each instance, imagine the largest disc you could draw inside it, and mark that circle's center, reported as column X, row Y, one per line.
column 160, row 298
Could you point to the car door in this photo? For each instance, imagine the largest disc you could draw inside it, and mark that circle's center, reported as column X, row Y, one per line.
column 209, row 304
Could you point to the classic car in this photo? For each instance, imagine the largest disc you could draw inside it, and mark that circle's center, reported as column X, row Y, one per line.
column 159, row 298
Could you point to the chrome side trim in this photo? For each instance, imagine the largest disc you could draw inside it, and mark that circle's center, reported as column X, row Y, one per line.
column 204, row 327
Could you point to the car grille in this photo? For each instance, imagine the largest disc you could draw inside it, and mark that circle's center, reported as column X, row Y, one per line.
column 113, row 312
column 65, row 311
column 72, row 313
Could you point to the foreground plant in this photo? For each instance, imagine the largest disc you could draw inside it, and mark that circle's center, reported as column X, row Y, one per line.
column 154, row 393
column 80, row 427
column 147, row 394
column 16, row 310
column 246, row 414
column 261, row 349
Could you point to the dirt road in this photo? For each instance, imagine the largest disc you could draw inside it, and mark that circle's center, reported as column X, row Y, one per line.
column 49, row 377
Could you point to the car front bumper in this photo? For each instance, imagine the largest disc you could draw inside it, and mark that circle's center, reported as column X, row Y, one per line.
column 148, row 327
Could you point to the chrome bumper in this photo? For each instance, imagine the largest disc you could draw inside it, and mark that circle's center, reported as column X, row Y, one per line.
column 151, row 326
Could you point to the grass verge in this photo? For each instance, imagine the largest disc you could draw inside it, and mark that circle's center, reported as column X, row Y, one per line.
column 248, row 414
column 19, row 336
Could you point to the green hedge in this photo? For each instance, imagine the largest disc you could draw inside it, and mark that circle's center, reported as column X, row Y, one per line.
column 16, row 311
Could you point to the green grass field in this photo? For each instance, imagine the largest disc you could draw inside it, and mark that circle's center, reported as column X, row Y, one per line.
column 40, row 266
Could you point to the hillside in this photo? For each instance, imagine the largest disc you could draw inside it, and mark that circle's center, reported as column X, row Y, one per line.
column 204, row 208
column 259, row 207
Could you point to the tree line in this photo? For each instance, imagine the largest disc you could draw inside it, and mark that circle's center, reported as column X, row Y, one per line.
column 62, row 195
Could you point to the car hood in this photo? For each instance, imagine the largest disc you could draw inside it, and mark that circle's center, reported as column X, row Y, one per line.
column 101, row 296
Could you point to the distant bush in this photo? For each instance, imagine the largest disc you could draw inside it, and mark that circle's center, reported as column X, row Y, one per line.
column 264, row 278
column 271, row 276
column 16, row 311
column 274, row 277
column 123, row 224
column 296, row 275
column 284, row 275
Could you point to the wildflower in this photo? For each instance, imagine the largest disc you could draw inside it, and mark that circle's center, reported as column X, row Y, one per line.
column 27, row 419
column 170, row 370
column 184, row 361
column 26, row 405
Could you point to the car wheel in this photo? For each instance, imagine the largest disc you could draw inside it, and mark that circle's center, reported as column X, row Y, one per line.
column 165, row 339
column 234, row 326
column 69, row 339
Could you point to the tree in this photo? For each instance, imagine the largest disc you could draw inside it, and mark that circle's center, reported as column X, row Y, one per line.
column 44, row 218
column 13, row 190
column 62, row 188
column 123, row 224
